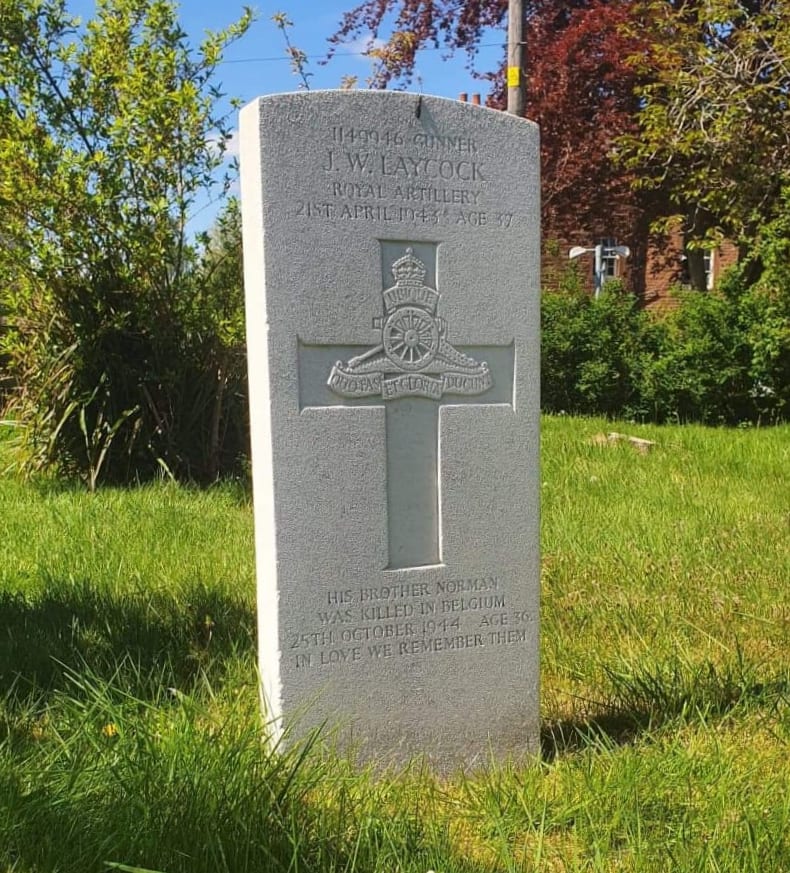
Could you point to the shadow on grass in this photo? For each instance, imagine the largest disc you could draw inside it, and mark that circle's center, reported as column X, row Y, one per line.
column 175, row 637
column 641, row 701
column 571, row 735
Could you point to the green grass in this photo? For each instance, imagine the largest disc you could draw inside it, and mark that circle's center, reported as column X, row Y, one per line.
column 129, row 727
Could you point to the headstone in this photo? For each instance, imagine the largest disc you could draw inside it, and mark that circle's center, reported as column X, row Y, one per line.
column 391, row 248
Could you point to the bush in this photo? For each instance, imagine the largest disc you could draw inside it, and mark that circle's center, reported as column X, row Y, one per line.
column 594, row 352
column 765, row 319
column 764, row 313
column 702, row 371
column 116, row 385
column 123, row 342
column 718, row 358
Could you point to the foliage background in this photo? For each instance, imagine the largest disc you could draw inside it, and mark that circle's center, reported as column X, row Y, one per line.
column 123, row 337
column 716, row 358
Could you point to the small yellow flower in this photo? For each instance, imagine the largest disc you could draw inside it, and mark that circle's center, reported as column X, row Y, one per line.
column 110, row 730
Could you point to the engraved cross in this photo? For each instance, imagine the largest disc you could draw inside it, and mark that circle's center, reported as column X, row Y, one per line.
column 412, row 372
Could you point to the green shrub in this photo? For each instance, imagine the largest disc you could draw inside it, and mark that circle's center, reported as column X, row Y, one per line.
column 727, row 357
column 765, row 319
column 123, row 347
column 702, row 372
column 594, row 351
column 764, row 313
column 718, row 358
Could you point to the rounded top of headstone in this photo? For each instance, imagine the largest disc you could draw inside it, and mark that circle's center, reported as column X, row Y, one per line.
column 419, row 106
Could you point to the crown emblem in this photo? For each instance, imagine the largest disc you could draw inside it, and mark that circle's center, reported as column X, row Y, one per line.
column 410, row 288
column 409, row 269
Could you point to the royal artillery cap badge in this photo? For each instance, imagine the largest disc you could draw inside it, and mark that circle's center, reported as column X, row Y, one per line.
column 413, row 358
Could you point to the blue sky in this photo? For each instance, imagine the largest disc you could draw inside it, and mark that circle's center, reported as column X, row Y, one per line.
column 257, row 64
column 249, row 72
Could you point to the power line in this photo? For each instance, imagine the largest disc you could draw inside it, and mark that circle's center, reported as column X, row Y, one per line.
column 430, row 48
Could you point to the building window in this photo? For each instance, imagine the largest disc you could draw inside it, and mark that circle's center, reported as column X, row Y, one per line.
column 609, row 260
column 698, row 269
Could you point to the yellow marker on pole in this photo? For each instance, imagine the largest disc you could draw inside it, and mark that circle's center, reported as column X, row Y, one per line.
column 516, row 58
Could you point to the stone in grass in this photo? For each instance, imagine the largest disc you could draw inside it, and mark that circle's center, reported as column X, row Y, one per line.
column 643, row 446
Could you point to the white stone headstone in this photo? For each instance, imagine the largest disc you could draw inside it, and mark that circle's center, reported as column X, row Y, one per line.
column 391, row 247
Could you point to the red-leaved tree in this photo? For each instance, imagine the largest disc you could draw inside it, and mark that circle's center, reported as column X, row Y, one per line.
column 581, row 93
column 581, row 83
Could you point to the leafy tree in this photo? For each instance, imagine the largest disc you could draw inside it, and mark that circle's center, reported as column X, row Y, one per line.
column 456, row 24
column 109, row 136
column 714, row 122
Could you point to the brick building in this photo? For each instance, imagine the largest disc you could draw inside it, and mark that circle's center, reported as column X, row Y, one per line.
column 656, row 265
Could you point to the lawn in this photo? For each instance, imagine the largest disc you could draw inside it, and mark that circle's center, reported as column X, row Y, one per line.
column 129, row 728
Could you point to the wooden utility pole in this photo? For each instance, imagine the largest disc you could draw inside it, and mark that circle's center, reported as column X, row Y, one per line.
column 516, row 74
